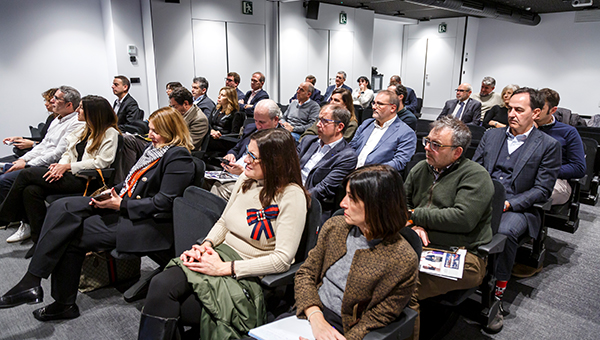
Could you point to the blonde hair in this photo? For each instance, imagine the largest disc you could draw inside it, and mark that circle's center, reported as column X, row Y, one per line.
column 232, row 103
column 170, row 124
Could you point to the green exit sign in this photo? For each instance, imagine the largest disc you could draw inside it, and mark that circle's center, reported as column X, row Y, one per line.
column 442, row 28
column 343, row 18
column 247, row 7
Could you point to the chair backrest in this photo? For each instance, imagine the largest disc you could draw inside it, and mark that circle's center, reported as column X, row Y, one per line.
column 590, row 147
column 200, row 153
column 311, row 230
column 415, row 241
column 248, row 121
column 419, row 104
column 200, row 169
column 497, row 205
column 282, row 107
column 416, row 158
column 366, row 113
column 423, row 126
column 476, row 133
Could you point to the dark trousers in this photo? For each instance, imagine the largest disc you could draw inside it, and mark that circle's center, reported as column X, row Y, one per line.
column 513, row 225
column 71, row 229
column 6, row 181
column 171, row 296
column 26, row 198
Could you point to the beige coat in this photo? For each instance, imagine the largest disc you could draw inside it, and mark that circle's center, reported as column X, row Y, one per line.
column 100, row 159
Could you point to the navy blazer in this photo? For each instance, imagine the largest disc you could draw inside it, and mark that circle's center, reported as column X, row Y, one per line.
column 534, row 173
column 137, row 230
column 410, row 102
column 471, row 113
column 395, row 148
column 329, row 172
column 206, row 105
column 129, row 111
column 260, row 95
column 330, row 89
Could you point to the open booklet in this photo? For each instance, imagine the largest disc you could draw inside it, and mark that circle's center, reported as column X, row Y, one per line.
column 443, row 263
column 290, row 328
column 221, row 176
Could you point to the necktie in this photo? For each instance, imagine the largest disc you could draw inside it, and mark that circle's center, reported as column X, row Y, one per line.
column 460, row 110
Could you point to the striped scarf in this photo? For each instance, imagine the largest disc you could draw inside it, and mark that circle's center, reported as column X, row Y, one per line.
column 150, row 155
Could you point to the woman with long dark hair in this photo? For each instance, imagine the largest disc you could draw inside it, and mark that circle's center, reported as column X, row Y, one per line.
column 93, row 146
column 257, row 234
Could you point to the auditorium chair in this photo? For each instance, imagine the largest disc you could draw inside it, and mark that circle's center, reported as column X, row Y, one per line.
column 589, row 188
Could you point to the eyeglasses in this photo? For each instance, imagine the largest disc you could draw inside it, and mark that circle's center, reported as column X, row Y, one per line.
column 380, row 104
column 58, row 99
column 252, row 156
column 325, row 121
column 459, row 90
column 229, row 80
column 435, row 146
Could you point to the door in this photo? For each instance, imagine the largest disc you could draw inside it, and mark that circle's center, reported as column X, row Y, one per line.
column 318, row 58
column 210, row 54
column 439, row 67
column 246, row 50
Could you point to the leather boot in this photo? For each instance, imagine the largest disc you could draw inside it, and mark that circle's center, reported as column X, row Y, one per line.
column 157, row 328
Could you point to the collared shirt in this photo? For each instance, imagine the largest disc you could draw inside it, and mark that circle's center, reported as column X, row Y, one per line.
column 458, row 107
column 373, row 140
column 515, row 142
column 54, row 143
column 252, row 96
column 437, row 174
column 300, row 105
column 117, row 104
column 316, row 157
column 199, row 99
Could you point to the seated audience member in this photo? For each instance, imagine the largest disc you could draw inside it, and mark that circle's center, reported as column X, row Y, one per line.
column 302, row 112
column 497, row 116
column 384, row 139
column 233, row 80
column 197, row 122
column 450, row 197
column 258, row 234
column 225, row 119
column 340, row 78
column 266, row 116
column 201, row 100
column 337, row 288
column 573, row 156
column 65, row 101
column 125, row 106
column 410, row 101
column 255, row 95
column 327, row 158
column 527, row 162
column 316, row 96
column 363, row 95
column 464, row 108
column 403, row 113
column 343, row 98
column 77, row 225
column 92, row 146
column 172, row 86
column 487, row 97
column 24, row 145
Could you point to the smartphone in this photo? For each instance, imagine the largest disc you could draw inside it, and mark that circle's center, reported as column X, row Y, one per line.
column 8, row 143
column 223, row 160
column 102, row 197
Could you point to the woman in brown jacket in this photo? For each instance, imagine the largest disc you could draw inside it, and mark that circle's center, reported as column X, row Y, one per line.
column 362, row 272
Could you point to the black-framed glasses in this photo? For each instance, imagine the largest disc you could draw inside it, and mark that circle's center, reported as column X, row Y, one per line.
column 252, row 156
column 435, row 146
column 379, row 104
column 229, row 80
column 325, row 121
column 459, row 90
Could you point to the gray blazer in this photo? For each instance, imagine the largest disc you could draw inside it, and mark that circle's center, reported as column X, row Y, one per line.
column 534, row 173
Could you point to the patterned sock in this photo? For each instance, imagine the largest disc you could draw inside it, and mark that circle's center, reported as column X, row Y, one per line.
column 500, row 287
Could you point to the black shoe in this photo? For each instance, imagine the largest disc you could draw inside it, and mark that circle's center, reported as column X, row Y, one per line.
column 71, row 312
column 30, row 252
column 31, row 296
column 502, row 310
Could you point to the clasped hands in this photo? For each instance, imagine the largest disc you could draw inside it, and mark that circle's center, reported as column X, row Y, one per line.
column 56, row 171
column 204, row 259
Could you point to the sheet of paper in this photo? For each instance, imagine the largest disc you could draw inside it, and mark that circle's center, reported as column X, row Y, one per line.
column 290, row 328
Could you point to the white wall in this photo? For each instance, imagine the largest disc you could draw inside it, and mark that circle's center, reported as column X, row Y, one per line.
column 558, row 53
column 47, row 44
column 387, row 48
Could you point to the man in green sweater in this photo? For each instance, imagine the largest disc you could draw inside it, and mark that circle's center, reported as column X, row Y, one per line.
column 450, row 197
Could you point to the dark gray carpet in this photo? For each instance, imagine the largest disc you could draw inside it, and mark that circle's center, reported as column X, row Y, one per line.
column 561, row 302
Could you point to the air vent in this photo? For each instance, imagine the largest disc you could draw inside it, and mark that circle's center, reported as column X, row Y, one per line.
column 504, row 11
column 474, row 5
column 587, row 16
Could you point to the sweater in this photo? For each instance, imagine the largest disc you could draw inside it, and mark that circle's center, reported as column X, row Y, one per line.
column 573, row 156
column 487, row 102
column 456, row 209
column 265, row 255
column 301, row 117
column 100, row 159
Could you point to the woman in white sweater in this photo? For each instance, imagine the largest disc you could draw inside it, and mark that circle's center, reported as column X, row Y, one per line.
column 363, row 95
column 262, row 223
column 93, row 146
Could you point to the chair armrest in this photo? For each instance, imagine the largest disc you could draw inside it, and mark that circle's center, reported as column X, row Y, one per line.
column 163, row 216
column 581, row 180
column 231, row 137
column 281, row 279
column 399, row 329
column 495, row 246
column 93, row 173
column 544, row 206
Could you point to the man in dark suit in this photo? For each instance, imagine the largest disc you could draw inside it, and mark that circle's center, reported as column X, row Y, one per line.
column 327, row 158
column 526, row 161
column 410, row 101
column 233, row 80
column 384, row 139
column 201, row 100
column 464, row 108
column 403, row 113
column 125, row 106
column 316, row 96
column 340, row 78
column 255, row 95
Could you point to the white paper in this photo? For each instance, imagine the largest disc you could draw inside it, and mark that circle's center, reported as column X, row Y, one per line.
column 290, row 328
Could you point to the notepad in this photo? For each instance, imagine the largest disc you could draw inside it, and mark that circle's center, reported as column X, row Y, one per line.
column 290, row 328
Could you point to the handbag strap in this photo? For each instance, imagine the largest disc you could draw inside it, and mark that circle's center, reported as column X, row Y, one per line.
column 89, row 179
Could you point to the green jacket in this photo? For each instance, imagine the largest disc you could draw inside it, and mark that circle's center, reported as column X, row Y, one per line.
column 456, row 210
column 230, row 307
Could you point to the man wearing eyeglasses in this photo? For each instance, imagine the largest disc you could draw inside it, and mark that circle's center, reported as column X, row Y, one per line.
column 327, row 158
column 302, row 112
column 450, row 198
column 233, row 80
column 464, row 108
column 340, row 78
column 255, row 95
column 384, row 139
